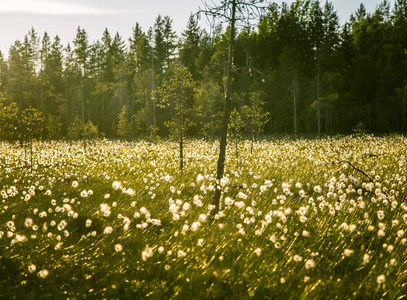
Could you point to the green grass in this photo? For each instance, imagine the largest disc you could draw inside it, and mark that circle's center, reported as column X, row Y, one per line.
column 298, row 224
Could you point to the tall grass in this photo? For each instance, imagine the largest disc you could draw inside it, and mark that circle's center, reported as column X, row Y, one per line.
column 121, row 221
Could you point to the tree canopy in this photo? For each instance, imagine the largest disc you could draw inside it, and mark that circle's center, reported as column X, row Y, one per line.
column 308, row 73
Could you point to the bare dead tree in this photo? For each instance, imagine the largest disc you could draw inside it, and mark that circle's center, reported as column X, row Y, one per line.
column 230, row 12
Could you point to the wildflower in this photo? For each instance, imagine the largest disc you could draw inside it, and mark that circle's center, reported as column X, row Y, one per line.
column 116, row 185
column 186, row 206
column 88, row 223
column 67, row 207
column 118, row 247
column 75, row 184
column 317, row 189
column 224, row 181
column 43, row 273
column 381, row 279
column 309, row 264
column 242, row 195
column 28, row 222
column 297, row 258
column 10, row 224
column 181, row 253
column 58, row 246
column 144, row 210
column 32, row 268
column 228, row 201
column 130, row 192
column 240, row 204
column 348, row 252
column 21, row 238
column 366, row 258
column 84, row 194
column 380, row 214
column 105, row 209
column 303, row 219
column 185, row 228
column 195, row 226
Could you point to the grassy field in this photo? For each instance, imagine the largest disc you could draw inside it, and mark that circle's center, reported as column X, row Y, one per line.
column 304, row 219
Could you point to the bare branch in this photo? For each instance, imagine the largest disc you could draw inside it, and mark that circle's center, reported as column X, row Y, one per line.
column 246, row 10
column 345, row 161
column 370, row 179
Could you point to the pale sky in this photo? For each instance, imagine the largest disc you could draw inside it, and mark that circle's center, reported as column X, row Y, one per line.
column 62, row 17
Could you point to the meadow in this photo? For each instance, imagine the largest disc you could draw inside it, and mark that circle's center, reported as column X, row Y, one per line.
column 300, row 219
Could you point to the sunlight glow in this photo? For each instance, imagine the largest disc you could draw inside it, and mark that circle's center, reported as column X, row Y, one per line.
column 43, row 7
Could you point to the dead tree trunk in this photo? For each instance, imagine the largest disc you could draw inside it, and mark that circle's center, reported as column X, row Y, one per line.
column 226, row 112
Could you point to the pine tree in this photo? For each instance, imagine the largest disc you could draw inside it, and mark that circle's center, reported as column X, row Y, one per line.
column 178, row 95
column 190, row 46
column 123, row 126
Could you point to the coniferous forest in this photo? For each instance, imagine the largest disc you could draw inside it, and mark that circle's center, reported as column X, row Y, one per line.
column 296, row 70
column 293, row 183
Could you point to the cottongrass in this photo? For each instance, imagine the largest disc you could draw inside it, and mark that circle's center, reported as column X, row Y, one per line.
column 122, row 221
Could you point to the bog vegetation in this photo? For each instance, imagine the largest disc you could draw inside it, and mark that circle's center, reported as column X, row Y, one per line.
column 311, row 219
column 298, row 63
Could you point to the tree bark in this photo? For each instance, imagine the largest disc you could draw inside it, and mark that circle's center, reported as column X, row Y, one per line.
column 181, row 146
column 226, row 113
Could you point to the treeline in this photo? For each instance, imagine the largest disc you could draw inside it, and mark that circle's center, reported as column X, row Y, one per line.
column 298, row 71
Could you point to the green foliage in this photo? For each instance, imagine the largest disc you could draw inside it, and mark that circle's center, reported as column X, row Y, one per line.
column 209, row 101
column 123, row 126
column 32, row 124
column 177, row 94
column 91, row 130
column 343, row 74
column 360, row 128
column 236, row 125
column 9, row 122
column 52, row 127
column 254, row 115
column 121, row 221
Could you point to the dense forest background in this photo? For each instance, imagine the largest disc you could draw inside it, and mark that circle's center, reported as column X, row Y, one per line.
column 296, row 71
